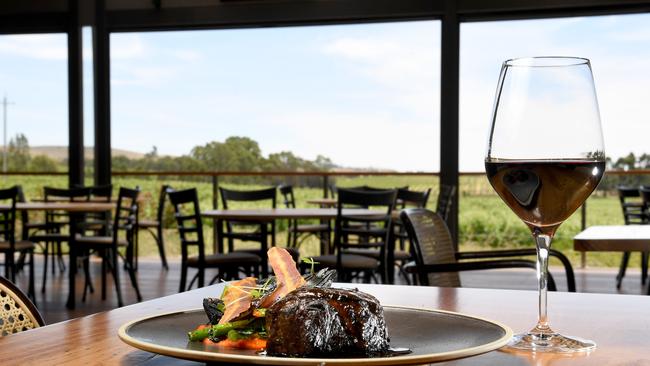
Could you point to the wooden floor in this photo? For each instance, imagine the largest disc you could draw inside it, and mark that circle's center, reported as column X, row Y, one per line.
column 156, row 282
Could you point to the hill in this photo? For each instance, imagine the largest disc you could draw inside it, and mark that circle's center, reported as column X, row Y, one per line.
column 60, row 153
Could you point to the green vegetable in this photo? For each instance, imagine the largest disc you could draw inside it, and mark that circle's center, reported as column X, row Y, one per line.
column 218, row 330
column 309, row 261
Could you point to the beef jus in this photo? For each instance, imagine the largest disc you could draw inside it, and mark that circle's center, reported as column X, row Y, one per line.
column 326, row 322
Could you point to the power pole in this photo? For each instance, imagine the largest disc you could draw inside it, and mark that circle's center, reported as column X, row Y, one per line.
column 5, row 103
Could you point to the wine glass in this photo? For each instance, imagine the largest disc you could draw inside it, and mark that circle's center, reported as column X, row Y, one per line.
column 545, row 156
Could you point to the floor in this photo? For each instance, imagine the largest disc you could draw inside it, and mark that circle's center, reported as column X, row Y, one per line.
column 154, row 282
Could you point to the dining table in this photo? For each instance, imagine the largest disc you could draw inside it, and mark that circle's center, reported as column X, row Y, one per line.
column 72, row 208
column 272, row 214
column 617, row 323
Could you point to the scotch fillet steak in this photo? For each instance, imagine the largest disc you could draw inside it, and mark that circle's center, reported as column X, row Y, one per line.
column 326, row 322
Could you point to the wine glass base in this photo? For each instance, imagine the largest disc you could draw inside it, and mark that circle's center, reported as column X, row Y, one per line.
column 552, row 343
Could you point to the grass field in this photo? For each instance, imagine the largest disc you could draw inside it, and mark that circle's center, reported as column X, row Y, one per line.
column 485, row 222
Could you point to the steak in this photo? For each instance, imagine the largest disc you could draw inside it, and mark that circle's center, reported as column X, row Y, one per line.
column 326, row 322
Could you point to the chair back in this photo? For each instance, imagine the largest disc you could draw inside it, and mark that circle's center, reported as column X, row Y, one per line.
column 432, row 244
column 53, row 194
column 188, row 219
column 8, row 198
column 445, row 200
column 17, row 312
column 632, row 205
column 289, row 199
column 102, row 192
column 126, row 214
column 164, row 191
column 413, row 198
column 362, row 227
column 230, row 195
column 24, row 215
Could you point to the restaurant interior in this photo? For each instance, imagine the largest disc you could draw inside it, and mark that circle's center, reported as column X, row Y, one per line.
column 123, row 260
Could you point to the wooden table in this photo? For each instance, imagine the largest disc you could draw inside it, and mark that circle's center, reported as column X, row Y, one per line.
column 70, row 207
column 615, row 238
column 270, row 215
column 324, row 202
column 618, row 323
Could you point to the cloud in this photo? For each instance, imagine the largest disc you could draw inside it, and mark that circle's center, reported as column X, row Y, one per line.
column 35, row 46
column 129, row 46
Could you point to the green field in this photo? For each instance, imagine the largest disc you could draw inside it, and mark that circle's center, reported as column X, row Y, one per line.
column 485, row 222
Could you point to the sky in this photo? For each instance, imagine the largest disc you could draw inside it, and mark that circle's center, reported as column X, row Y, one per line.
column 364, row 95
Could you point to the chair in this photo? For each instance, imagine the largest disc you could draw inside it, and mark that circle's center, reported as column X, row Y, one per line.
column 9, row 246
column 107, row 246
column 644, row 191
column 249, row 231
column 50, row 236
column 190, row 229
column 634, row 213
column 155, row 227
column 98, row 222
column 299, row 232
column 360, row 241
column 17, row 312
column 436, row 263
column 445, row 200
column 406, row 198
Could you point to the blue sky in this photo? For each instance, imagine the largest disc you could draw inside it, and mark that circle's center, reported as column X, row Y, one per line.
column 364, row 95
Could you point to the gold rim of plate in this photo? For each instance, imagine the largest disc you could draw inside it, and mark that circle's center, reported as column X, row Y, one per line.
column 268, row 360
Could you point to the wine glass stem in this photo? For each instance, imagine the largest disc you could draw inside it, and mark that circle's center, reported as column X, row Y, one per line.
column 543, row 244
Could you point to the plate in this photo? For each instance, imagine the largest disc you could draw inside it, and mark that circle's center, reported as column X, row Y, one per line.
column 432, row 335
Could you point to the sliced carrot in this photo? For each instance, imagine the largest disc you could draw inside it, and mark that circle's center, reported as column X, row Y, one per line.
column 237, row 298
column 250, row 343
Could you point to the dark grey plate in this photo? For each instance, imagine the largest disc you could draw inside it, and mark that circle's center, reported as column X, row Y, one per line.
column 432, row 335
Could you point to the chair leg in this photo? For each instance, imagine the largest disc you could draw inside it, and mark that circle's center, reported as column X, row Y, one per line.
column 183, row 276
column 59, row 255
column 45, row 255
column 621, row 272
column 201, row 282
column 30, row 290
column 161, row 246
column 114, row 264
column 644, row 267
column 104, row 256
column 134, row 282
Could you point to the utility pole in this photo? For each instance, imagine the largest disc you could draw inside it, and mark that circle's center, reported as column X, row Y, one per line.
column 5, row 103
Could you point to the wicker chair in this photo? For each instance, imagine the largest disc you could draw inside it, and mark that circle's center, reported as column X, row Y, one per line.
column 17, row 312
column 436, row 263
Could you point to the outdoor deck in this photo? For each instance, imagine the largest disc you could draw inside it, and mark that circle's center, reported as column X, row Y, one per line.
column 155, row 282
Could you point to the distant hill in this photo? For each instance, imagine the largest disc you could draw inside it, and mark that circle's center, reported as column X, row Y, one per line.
column 60, row 153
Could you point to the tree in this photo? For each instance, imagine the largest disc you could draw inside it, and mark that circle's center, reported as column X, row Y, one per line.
column 18, row 153
column 42, row 163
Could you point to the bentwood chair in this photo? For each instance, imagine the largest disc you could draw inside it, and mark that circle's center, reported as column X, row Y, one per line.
column 360, row 241
column 634, row 213
column 9, row 246
column 249, row 231
column 121, row 235
column 155, row 227
column 436, row 263
column 17, row 312
column 298, row 232
column 190, row 229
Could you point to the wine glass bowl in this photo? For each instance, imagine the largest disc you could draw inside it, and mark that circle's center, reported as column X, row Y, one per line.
column 545, row 156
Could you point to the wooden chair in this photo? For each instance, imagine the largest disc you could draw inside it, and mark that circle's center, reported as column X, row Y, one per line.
column 17, row 312
column 121, row 235
column 190, row 229
column 9, row 246
column 635, row 212
column 155, row 227
column 297, row 232
column 360, row 241
column 249, row 231
column 436, row 263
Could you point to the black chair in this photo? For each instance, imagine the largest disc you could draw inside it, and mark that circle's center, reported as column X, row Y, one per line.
column 17, row 312
column 634, row 213
column 436, row 263
column 249, row 231
column 445, row 200
column 98, row 222
column 360, row 241
column 9, row 246
column 190, row 229
column 122, row 233
column 155, row 227
column 405, row 198
column 644, row 191
column 298, row 232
